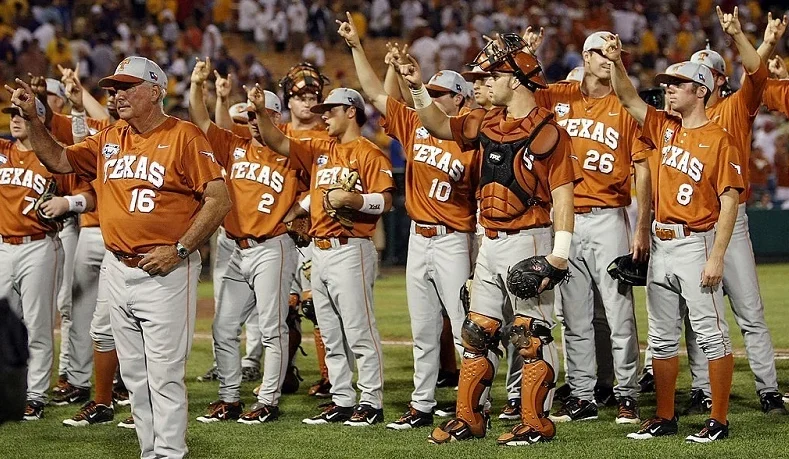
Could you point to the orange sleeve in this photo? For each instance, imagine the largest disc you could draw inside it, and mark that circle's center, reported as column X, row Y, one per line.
column 83, row 156
column 749, row 97
column 640, row 150
column 543, row 97
column 302, row 152
column 223, row 143
column 652, row 130
column 729, row 172
column 563, row 167
column 198, row 163
column 400, row 122
column 98, row 125
column 465, row 125
column 241, row 130
column 60, row 127
column 376, row 172
column 776, row 95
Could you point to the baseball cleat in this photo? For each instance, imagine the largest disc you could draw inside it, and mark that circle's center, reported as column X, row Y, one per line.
column 127, row 423
column 69, row 393
column 655, row 427
column 411, row 419
column 330, row 413
column 222, row 411
column 91, row 413
column 562, row 393
column 365, row 415
column 452, row 430
column 772, row 403
column 446, row 412
column 522, row 435
column 628, row 411
column 320, row 389
column 250, row 374
column 786, row 397
column 259, row 413
column 447, row 378
column 292, row 380
column 33, row 411
column 604, row 396
column 575, row 409
column 647, row 382
column 712, row 431
column 699, row 403
column 120, row 396
column 211, row 375
column 512, row 410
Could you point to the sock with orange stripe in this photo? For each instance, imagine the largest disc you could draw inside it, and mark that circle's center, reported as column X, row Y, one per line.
column 721, row 371
column 665, row 371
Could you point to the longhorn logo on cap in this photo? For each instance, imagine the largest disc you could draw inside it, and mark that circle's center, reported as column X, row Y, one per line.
column 123, row 64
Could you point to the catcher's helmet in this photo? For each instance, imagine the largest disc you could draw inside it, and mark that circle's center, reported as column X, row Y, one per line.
column 506, row 55
column 303, row 78
column 627, row 271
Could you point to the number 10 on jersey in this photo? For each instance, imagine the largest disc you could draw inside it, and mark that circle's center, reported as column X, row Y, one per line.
column 439, row 190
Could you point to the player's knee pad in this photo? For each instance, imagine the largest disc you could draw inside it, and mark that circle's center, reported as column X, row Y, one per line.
column 529, row 336
column 480, row 335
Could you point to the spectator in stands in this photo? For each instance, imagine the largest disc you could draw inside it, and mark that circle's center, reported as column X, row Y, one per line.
column 410, row 12
column 314, row 54
column 761, row 169
column 102, row 57
column 319, row 21
column 424, row 48
column 452, row 43
column 782, row 171
column 380, row 18
column 279, row 29
column 247, row 15
column 297, row 24
column 31, row 60
column 212, row 40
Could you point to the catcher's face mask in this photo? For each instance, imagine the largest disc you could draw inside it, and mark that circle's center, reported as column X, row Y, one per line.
column 506, row 55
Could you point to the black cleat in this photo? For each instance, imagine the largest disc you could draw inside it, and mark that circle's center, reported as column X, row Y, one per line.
column 365, row 415
column 699, row 403
column 655, row 427
column 259, row 413
column 250, row 374
column 68, row 394
column 647, row 382
column 91, row 413
column 712, row 431
column 604, row 396
column 330, row 413
column 447, row 378
column 772, row 403
column 211, row 375
column 411, row 419
column 575, row 409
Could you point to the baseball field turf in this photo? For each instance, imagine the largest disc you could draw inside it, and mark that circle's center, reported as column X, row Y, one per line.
column 753, row 434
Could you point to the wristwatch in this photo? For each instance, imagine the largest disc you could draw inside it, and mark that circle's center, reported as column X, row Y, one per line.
column 183, row 252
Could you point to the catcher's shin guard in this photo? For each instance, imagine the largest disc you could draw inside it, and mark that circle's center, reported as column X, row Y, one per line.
column 320, row 350
column 480, row 337
column 291, row 383
column 529, row 336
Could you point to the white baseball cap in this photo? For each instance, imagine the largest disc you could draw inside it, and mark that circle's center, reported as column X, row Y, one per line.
column 474, row 74
column 687, row 71
column 56, row 88
column 447, row 80
column 597, row 40
column 711, row 59
column 576, row 74
column 136, row 69
column 272, row 103
column 340, row 96
column 41, row 111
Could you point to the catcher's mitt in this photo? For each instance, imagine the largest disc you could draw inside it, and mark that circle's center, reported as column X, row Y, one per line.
column 343, row 214
column 465, row 294
column 524, row 279
column 298, row 231
column 627, row 271
column 50, row 191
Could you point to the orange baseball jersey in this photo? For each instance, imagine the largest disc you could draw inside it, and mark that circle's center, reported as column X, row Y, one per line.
column 261, row 183
column 326, row 161
column 60, row 127
column 550, row 173
column 149, row 186
column 440, row 178
column 735, row 114
column 319, row 131
column 604, row 139
column 696, row 167
column 241, row 130
column 23, row 180
column 776, row 95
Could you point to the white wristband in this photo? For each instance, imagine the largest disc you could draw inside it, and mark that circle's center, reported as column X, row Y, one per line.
column 77, row 203
column 561, row 244
column 373, row 204
column 79, row 128
column 421, row 98
column 305, row 203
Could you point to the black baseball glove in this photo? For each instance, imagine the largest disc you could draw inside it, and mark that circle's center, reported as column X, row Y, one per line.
column 627, row 271
column 524, row 279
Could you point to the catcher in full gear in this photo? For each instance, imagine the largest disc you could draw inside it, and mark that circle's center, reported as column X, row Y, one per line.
column 526, row 167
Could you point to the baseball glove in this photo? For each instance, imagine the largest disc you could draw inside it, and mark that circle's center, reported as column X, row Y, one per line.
column 343, row 214
column 524, row 279
column 298, row 231
column 627, row 271
column 465, row 294
column 50, row 191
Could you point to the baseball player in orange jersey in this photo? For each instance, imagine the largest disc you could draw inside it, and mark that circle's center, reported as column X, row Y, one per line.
column 735, row 114
column 262, row 266
column 148, row 169
column 33, row 257
column 343, row 258
column 526, row 165
column 604, row 138
column 440, row 181
column 698, row 185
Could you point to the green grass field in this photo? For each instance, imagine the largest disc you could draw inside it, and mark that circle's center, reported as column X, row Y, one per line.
column 752, row 433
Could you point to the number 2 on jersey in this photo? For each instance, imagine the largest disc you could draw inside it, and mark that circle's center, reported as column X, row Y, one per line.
column 142, row 200
column 439, row 190
column 266, row 201
column 595, row 161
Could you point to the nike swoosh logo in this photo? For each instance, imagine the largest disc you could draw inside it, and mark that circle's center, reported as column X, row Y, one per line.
column 281, row 159
column 387, row 172
column 613, row 113
column 371, row 420
column 163, row 146
column 701, row 145
column 460, row 432
column 716, row 435
column 574, row 157
column 331, row 416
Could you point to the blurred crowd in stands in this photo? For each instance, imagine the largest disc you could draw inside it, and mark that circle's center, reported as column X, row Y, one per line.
column 244, row 37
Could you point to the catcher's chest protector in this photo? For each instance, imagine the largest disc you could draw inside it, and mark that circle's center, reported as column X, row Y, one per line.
column 509, row 149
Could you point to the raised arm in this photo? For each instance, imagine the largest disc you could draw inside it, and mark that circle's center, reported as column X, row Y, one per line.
column 621, row 83
column 730, row 23
column 222, row 107
column 271, row 135
column 777, row 68
column 197, row 109
column 391, row 79
column 47, row 149
column 772, row 34
column 433, row 118
column 371, row 84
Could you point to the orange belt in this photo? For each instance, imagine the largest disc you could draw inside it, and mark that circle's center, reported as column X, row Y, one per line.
column 324, row 243
column 667, row 234
column 16, row 240
column 430, row 231
column 129, row 260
